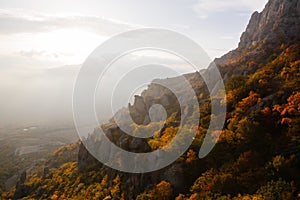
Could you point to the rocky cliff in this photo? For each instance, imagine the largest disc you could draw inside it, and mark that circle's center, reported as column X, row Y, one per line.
column 257, row 153
column 276, row 24
column 268, row 32
column 276, row 27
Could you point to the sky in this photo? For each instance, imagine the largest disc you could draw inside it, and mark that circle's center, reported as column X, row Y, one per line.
column 43, row 43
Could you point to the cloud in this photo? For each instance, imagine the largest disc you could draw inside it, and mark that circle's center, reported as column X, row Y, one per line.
column 38, row 54
column 205, row 7
column 18, row 21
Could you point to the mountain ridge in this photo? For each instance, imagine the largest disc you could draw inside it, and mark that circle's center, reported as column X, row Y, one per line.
column 257, row 154
column 278, row 24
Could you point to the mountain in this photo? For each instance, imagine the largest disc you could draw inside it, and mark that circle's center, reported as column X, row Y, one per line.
column 278, row 24
column 257, row 155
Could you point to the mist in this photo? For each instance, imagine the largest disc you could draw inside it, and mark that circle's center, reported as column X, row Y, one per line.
column 37, row 96
column 43, row 96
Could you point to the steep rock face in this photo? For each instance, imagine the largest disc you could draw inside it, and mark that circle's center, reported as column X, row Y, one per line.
column 134, row 183
column 278, row 24
column 86, row 161
column 21, row 189
column 155, row 94
column 280, row 20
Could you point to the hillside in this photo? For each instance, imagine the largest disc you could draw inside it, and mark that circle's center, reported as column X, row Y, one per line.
column 257, row 155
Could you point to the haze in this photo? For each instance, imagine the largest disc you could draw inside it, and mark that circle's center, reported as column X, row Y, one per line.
column 43, row 45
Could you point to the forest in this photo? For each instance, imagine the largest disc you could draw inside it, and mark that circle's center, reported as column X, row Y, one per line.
column 257, row 153
column 256, row 156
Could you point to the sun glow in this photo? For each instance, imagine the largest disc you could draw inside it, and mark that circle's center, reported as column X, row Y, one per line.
column 69, row 46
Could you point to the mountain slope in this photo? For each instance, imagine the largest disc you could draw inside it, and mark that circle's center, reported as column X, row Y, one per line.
column 258, row 153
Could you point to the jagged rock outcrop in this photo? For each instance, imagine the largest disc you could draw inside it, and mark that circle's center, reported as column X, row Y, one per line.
column 279, row 21
column 86, row 161
column 134, row 183
column 277, row 25
column 21, row 189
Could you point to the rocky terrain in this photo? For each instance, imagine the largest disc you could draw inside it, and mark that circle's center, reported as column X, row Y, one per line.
column 257, row 154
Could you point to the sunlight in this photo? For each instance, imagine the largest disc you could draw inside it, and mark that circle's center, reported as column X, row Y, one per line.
column 69, row 45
